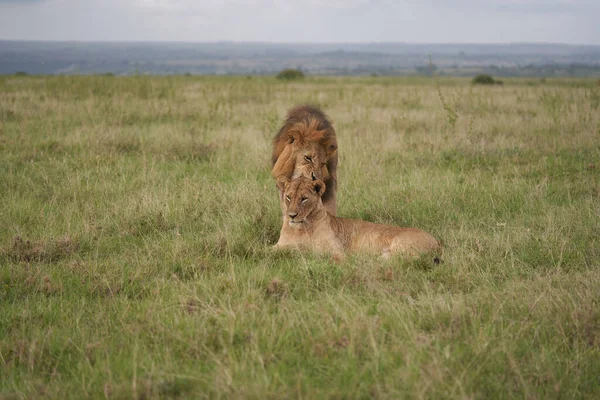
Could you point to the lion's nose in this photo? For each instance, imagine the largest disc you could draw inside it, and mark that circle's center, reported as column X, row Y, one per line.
column 293, row 215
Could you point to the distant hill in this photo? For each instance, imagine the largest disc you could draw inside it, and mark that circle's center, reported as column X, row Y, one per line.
column 125, row 58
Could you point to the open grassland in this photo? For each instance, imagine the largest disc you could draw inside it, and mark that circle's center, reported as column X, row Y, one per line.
column 137, row 216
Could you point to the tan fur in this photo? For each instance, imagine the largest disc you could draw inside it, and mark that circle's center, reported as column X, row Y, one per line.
column 306, row 146
column 308, row 225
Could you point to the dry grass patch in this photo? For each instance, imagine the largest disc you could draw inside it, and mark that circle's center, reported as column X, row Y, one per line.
column 25, row 250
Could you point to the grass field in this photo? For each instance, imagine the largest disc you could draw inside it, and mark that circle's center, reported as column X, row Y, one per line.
column 137, row 215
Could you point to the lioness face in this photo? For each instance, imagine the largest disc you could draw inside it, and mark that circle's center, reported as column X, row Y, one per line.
column 300, row 197
column 311, row 161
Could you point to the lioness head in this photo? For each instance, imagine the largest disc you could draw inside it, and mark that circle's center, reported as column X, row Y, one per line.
column 301, row 197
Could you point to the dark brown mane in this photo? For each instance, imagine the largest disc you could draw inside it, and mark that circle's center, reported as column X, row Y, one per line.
column 306, row 123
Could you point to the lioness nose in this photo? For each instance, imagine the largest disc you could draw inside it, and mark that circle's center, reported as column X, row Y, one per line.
column 293, row 215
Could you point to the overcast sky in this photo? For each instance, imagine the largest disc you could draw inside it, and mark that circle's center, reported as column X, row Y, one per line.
column 427, row 21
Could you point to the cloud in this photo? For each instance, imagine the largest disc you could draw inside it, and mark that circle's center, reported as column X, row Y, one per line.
column 22, row 2
column 419, row 21
column 254, row 5
column 516, row 6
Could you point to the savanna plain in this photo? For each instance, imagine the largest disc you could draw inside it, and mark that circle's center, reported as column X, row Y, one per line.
column 137, row 218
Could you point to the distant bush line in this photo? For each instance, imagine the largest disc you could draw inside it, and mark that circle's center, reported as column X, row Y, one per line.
column 485, row 79
column 290, row 74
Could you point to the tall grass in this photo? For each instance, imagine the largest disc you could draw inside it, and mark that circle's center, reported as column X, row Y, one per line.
column 138, row 213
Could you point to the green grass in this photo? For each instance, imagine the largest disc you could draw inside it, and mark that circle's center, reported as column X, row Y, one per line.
column 138, row 213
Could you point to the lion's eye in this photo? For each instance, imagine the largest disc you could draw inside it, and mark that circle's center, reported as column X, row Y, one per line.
column 288, row 198
column 304, row 199
column 308, row 158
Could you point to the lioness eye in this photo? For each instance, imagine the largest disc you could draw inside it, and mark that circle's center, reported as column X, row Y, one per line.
column 288, row 198
column 304, row 199
column 307, row 158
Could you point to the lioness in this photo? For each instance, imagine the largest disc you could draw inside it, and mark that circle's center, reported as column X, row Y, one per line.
column 306, row 146
column 307, row 224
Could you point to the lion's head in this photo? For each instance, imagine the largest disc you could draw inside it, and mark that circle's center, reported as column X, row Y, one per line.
column 305, row 146
column 301, row 158
column 301, row 197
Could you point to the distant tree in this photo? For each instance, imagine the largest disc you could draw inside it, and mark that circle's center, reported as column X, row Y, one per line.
column 483, row 79
column 20, row 73
column 289, row 74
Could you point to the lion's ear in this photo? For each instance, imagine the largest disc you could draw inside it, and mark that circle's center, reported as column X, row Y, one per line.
column 295, row 136
column 319, row 187
column 282, row 183
column 291, row 137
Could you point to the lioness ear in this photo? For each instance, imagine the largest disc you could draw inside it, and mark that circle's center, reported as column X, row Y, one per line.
column 319, row 187
column 282, row 183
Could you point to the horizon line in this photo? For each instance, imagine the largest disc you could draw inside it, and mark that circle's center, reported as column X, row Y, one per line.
column 302, row 43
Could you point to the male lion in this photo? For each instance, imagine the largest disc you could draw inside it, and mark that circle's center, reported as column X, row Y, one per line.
column 306, row 146
column 307, row 224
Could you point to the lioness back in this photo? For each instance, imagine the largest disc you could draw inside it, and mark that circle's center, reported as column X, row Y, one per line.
column 364, row 236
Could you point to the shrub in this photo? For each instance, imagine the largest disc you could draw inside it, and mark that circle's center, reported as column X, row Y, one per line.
column 290, row 74
column 20, row 73
column 483, row 79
